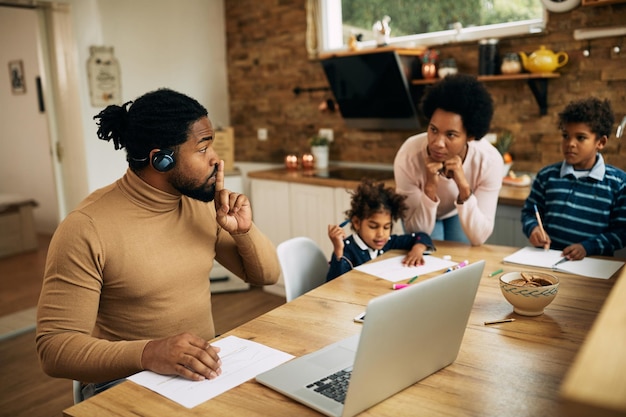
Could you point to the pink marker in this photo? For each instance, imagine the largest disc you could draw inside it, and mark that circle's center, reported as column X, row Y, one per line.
column 400, row 286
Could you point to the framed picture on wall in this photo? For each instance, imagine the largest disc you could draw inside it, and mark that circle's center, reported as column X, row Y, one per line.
column 16, row 75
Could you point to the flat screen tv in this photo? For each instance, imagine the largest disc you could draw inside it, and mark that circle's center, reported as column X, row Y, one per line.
column 372, row 91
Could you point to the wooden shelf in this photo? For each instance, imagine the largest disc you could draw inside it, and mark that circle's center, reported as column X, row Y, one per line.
column 400, row 51
column 538, row 83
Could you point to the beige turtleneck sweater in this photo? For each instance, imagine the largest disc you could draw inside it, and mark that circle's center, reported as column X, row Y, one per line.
column 132, row 264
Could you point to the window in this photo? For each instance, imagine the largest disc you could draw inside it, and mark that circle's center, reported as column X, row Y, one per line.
column 427, row 22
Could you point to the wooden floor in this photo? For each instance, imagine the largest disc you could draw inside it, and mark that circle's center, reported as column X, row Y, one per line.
column 24, row 389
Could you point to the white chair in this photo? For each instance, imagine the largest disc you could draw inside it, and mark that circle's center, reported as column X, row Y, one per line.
column 78, row 395
column 303, row 264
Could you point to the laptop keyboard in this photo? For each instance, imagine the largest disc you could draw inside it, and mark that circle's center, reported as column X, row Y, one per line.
column 334, row 386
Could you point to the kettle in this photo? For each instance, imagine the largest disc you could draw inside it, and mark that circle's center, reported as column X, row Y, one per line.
column 543, row 60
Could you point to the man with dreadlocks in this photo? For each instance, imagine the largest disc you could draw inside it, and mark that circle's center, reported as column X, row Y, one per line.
column 126, row 285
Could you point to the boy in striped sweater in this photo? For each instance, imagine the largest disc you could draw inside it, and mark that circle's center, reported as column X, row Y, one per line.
column 581, row 200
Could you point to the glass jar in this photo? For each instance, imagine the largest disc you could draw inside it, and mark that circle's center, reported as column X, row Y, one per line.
column 447, row 67
column 511, row 63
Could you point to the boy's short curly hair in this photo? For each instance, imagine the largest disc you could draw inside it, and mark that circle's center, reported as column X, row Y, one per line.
column 595, row 113
column 370, row 197
column 464, row 95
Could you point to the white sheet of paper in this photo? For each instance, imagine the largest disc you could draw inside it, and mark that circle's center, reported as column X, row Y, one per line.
column 242, row 360
column 588, row 267
column 393, row 270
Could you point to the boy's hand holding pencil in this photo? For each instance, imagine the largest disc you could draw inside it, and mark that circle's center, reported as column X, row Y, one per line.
column 539, row 237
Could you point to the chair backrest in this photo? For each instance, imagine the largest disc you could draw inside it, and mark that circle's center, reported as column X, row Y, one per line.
column 303, row 264
column 76, row 391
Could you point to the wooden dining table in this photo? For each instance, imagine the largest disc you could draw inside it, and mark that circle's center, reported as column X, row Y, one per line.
column 509, row 369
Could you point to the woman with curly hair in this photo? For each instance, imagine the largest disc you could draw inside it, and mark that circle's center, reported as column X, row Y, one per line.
column 581, row 200
column 451, row 177
column 373, row 210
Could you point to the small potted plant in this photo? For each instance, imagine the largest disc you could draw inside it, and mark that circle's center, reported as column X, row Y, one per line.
column 319, row 149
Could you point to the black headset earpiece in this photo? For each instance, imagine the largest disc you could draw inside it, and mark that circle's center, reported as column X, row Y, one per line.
column 163, row 160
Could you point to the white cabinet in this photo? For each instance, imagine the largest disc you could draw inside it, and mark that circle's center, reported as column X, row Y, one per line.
column 270, row 208
column 312, row 209
column 507, row 230
column 283, row 210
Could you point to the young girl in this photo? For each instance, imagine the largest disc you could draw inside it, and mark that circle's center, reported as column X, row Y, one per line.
column 373, row 210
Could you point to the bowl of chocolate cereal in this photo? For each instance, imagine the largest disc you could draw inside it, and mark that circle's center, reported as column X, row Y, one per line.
column 529, row 292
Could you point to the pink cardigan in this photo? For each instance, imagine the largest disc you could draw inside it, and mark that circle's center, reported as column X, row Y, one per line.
column 483, row 168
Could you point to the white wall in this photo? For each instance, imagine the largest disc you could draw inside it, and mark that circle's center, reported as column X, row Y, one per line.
column 179, row 44
column 26, row 168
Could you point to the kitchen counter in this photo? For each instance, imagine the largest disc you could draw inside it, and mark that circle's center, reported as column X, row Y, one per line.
column 349, row 177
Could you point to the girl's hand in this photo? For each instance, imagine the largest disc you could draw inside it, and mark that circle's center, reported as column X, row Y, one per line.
column 415, row 257
column 336, row 236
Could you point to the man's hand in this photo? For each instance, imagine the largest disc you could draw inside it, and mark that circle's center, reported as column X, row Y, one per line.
column 234, row 213
column 185, row 354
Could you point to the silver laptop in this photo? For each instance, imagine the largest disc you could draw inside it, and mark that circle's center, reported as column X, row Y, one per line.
column 407, row 335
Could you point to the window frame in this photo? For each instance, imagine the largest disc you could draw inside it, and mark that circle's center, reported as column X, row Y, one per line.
column 330, row 36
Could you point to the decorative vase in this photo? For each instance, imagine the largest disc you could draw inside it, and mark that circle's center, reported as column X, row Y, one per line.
column 320, row 155
column 429, row 70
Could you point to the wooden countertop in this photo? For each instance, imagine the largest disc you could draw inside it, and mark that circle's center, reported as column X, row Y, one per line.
column 317, row 177
column 509, row 195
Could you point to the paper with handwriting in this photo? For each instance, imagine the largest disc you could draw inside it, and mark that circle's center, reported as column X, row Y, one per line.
column 393, row 270
column 541, row 258
column 242, row 360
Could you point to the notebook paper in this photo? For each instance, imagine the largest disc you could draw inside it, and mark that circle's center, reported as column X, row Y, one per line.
column 393, row 270
column 587, row 267
column 242, row 360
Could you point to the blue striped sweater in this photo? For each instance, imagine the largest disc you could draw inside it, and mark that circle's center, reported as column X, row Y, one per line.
column 590, row 210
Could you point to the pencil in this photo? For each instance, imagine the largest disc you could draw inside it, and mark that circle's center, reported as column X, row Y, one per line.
column 543, row 232
column 412, row 280
column 499, row 321
column 343, row 223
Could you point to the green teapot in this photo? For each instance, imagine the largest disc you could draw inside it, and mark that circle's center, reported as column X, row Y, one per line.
column 543, row 60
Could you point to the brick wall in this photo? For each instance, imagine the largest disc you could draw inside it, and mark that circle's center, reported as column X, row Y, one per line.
column 267, row 59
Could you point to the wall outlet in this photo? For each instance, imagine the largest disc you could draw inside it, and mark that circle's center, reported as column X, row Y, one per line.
column 327, row 133
column 261, row 133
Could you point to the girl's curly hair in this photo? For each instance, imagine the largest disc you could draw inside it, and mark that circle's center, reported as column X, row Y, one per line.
column 371, row 197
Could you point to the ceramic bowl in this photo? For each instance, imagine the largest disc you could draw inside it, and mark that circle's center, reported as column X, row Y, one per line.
column 528, row 300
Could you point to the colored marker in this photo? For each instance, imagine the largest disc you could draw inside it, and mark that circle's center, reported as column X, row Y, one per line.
column 496, row 272
column 400, row 286
column 343, row 223
column 412, row 280
column 458, row 266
